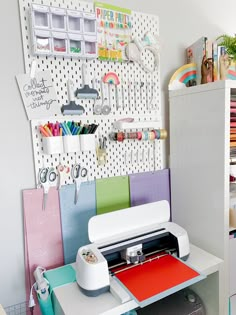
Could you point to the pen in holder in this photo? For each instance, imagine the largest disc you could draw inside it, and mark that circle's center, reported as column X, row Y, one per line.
column 101, row 151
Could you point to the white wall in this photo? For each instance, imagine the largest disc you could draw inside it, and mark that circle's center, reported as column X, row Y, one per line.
column 181, row 23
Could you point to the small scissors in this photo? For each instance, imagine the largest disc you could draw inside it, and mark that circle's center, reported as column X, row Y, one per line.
column 46, row 177
column 77, row 174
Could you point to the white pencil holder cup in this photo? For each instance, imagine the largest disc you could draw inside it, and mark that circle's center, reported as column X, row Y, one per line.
column 52, row 145
column 87, row 142
column 71, row 144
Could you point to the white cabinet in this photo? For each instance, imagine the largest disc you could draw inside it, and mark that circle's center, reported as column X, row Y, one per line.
column 199, row 163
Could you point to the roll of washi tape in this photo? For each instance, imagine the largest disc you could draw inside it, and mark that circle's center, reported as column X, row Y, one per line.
column 155, row 133
column 158, row 134
column 163, row 133
column 120, row 136
column 152, row 135
column 133, row 135
column 139, row 134
column 145, row 135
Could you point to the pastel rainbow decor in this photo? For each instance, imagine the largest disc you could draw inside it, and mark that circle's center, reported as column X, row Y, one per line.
column 185, row 73
column 231, row 74
column 111, row 78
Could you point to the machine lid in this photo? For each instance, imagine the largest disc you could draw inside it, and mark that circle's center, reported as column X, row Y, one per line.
column 109, row 225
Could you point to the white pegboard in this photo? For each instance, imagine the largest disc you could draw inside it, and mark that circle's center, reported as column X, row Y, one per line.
column 130, row 156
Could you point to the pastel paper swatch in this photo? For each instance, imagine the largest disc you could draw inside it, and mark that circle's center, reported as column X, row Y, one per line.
column 75, row 217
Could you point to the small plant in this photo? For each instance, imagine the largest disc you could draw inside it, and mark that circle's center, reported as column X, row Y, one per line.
column 230, row 45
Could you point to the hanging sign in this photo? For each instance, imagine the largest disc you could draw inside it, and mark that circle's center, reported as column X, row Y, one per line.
column 114, row 31
column 38, row 95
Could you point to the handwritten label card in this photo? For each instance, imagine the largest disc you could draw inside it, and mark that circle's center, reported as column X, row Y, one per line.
column 38, row 95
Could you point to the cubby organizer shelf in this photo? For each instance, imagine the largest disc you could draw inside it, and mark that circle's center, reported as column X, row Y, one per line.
column 58, row 31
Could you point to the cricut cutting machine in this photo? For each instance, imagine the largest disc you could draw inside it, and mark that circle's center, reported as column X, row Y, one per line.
column 126, row 239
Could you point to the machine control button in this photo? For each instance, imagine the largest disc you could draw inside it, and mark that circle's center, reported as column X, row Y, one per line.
column 89, row 256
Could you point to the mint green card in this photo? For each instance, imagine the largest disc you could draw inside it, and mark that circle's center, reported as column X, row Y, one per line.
column 60, row 276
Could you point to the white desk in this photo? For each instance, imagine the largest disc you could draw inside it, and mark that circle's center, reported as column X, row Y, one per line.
column 70, row 301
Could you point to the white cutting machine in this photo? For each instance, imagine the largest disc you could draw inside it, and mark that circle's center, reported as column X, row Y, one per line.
column 127, row 238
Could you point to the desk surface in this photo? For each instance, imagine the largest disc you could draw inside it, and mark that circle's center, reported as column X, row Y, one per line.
column 70, row 301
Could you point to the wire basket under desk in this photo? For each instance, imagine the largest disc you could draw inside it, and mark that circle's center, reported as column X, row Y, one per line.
column 17, row 309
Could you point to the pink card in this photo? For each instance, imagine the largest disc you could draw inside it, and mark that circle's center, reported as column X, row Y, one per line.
column 43, row 238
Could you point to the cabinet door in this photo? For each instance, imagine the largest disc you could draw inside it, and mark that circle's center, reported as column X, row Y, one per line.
column 232, row 266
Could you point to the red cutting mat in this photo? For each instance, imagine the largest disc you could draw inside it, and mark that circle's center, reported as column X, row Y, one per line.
column 152, row 278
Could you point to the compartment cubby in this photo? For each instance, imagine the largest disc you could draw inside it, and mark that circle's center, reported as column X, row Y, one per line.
column 42, row 42
column 58, row 19
column 75, row 45
column 63, row 32
column 40, row 16
column 74, row 21
column 90, row 23
column 90, row 46
column 59, row 43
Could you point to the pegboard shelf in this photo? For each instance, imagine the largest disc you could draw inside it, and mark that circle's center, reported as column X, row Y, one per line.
column 138, row 93
column 136, row 124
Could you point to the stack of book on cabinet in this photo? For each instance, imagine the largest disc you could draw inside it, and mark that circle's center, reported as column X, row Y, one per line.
column 233, row 127
column 222, row 67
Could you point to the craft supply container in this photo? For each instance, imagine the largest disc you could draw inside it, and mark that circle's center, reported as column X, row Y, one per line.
column 52, row 145
column 87, row 142
column 71, row 143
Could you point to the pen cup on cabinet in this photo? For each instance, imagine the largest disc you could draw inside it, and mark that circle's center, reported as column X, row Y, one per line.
column 52, row 145
column 71, row 143
column 87, row 142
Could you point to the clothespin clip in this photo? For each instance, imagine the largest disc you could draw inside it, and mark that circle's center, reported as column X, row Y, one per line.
column 33, row 68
